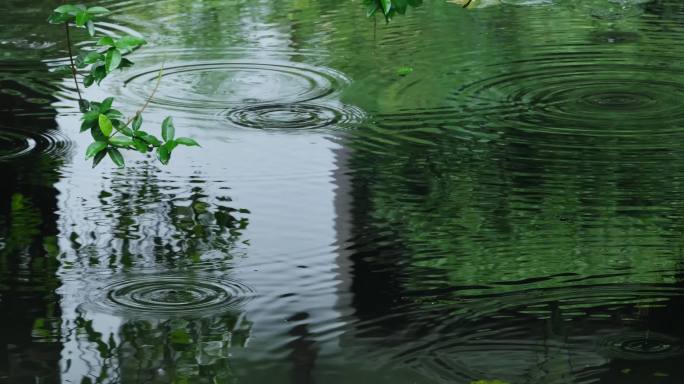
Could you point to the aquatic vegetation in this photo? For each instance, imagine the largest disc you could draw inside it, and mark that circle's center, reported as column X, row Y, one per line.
column 110, row 130
column 390, row 8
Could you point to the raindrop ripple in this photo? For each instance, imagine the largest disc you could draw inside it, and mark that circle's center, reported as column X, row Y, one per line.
column 293, row 116
column 575, row 95
column 640, row 346
column 217, row 85
column 15, row 143
column 171, row 296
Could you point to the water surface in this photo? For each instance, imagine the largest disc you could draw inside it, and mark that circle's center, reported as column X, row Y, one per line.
column 510, row 209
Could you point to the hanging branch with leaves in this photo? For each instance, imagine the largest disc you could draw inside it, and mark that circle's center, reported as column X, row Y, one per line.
column 110, row 131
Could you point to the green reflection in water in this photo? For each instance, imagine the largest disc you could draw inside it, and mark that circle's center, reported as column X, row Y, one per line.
column 168, row 351
column 515, row 197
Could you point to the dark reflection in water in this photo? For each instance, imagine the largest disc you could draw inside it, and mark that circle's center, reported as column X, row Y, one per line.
column 31, row 154
column 303, row 349
column 510, row 209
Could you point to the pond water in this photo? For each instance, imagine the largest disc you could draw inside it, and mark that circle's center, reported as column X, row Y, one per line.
column 491, row 193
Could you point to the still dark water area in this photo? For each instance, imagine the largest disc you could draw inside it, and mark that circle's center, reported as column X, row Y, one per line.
column 511, row 209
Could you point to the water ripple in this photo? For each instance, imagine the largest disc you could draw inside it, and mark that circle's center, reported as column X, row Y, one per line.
column 15, row 143
column 224, row 83
column 572, row 95
column 640, row 346
column 170, row 296
column 293, row 116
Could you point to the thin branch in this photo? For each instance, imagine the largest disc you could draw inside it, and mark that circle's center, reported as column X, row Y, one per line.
column 141, row 110
column 71, row 60
column 149, row 99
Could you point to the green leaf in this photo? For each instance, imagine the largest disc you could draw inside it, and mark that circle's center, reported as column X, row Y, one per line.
column 106, row 41
column 116, row 157
column 88, row 80
column 91, row 116
column 82, row 18
column 84, row 105
column 86, row 58
column 187, row 141
column 137, row 122
column 140, row 145
column 95, row 148
column 97, row 134
column 105, row 125
column 86, row 125
column 403, row 71
column 106, row 105
column 91, row 28
column 119, row 141
column 150, row 139
column 98, row 73
column 113, row 59
column 98, row 158
column 373, row 6
column 125, row 63
column 163, row 154
column 127, row 131
column 98, row 10
column 114, row 114
column 168, row 130
column 171, row 145
column 386, row 6
column 59, row 18
column 129, row 43
column 93, row 57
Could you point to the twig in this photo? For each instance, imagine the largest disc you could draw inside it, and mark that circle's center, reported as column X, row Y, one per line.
column 71, row 60
column 147, row 102
column 149, row 99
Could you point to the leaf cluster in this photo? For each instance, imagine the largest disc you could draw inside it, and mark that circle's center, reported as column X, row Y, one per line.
column 108, row 58
column 389, row 8
column 110, row 131
column 111, row 134
column 80, row 15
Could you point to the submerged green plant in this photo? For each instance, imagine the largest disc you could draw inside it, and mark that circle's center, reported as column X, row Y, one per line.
column 111, row 132
column 404, row 71
column 389, row 8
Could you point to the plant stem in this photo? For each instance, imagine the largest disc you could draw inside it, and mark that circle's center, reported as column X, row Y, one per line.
column 71, row 60
column 147, row 102
column 149, row 99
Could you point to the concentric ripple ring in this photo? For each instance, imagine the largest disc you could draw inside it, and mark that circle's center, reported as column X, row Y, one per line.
column 170, row 296
column 15, row 143
column 640, row 346
column 223, row 84
column 292, row 116
column 585, row 98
